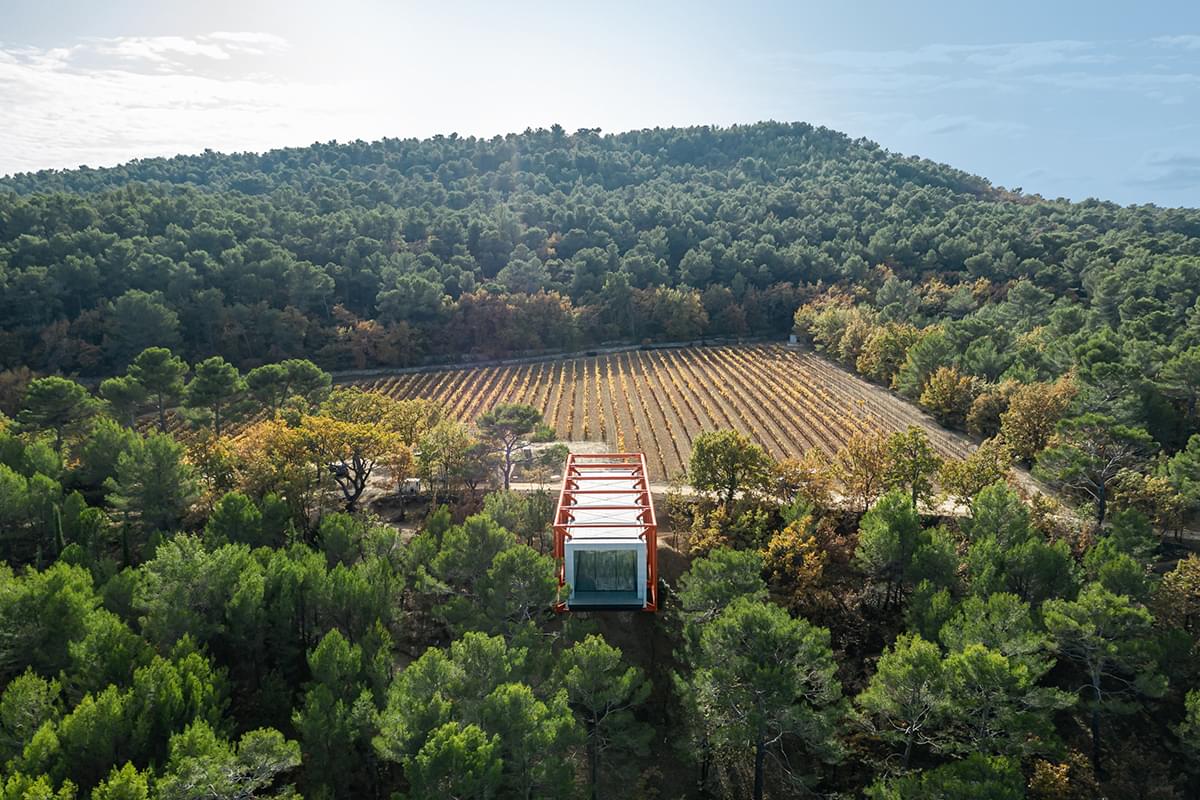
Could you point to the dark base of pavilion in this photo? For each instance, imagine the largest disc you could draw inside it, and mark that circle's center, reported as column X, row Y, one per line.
column 605, row 601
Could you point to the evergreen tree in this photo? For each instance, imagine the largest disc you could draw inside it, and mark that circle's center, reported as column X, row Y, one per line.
column 906, row 696
column 762, row 677
column 535, row 740
column 603, row 692
column 160, row 375
column 1107, row 636
column 504, row 427
column 154, row 486
column 336, row 720
column 55, row 404
column 977, row 777
column 125, row 397
column 216, row 389
column 459, row 761
column 1088, row 453
column 203, row 766
column 888, row 538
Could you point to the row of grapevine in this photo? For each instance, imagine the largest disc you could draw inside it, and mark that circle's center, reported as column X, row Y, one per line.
column 658, row 401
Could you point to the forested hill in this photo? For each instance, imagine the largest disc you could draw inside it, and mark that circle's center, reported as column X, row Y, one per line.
column 401, row 252
column 496, row 169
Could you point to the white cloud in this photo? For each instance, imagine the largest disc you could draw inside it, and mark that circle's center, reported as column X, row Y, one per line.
column 250, row 38
column 218, row 46
column 1187, row 41
column 158, row 48
column 914, row 126
column 1004, row 57
column 106, row 101
column 1169, row 169
column 249, row 42
column 1168, row 88
column 162, row 96
column 1027, row 56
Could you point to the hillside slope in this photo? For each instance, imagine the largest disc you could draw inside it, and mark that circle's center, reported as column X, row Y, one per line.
column 404, row 252
column 290, row 252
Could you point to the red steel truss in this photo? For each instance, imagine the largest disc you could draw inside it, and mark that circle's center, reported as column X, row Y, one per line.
column 587, row 480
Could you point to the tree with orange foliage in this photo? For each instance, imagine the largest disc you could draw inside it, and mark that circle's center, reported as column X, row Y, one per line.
column 983, row 419
column 365, row 343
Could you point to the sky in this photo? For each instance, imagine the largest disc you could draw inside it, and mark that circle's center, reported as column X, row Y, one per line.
column 1057, row 97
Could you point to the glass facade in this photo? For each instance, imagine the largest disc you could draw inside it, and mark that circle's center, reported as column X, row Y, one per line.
column 606, row 571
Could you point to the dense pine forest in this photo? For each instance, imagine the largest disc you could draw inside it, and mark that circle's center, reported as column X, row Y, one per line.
column 219, row 581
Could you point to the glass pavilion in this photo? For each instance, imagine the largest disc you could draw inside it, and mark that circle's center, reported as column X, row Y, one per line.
column 605, row 534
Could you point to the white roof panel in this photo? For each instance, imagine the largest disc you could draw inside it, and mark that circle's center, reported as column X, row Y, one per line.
column 612, row 495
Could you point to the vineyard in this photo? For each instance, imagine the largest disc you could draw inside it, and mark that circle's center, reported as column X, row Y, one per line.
column 658, row 401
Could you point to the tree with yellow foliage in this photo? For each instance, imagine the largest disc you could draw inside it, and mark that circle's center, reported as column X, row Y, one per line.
column 444, row 455
column 370, row 423
column 215, row 461
column 885, row 350
column 1033, row 412
column 1072, row 779
column 410, row 419
column 794, row 561
column 964, row 478
column 725, row 526
column 809, row 478
column 354, row 404
column 1176, row 603
column 948, row 396
column 1154, row 496
column 271, row 456
column 348, row 450
column 402, row 464
column 860, row 466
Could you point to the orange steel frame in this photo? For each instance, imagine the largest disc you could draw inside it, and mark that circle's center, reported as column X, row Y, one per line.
column 575, row 479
